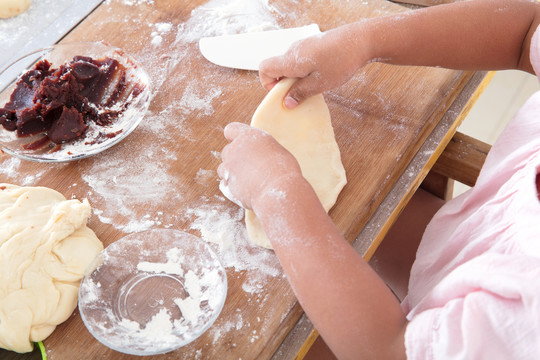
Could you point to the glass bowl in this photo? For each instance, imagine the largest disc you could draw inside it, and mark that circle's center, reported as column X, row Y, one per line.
column 152, row 292
column 134, row 102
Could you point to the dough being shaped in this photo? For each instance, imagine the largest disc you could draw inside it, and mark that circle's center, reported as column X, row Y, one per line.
column 306, row 131
column 45, row 248
column 10, row 8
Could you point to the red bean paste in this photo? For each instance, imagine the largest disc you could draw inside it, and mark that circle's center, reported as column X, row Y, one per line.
column 61, row 103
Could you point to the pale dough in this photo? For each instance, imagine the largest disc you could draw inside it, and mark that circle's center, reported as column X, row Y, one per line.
column 10, row 8
column 306, row 131
column 45, row 248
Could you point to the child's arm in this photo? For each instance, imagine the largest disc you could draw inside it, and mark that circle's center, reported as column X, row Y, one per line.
column 468, row 35
column 347, row 302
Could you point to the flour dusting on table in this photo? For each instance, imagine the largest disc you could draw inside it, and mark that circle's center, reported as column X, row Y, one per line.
column 124, row 185
column 223, row 17
column 223, row 226
column 130, row 185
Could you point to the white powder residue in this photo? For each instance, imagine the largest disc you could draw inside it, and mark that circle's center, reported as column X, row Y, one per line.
column 198, row 287
column 137, row 2
column 172, row 266
column 167, row 268
column 204, row 176
column 191, row 306
column 9, row 167
column 130, row 324
column 163, row 28
column 253, row 286
column 278, row 194
column 237, row 323
column 223, row 225
column 158, row 122
column 160, row 30
column 221, row 17
column 31, row 179
column 159, row 327
column 197, row 99
column 12, row 168
column 156, row 39
column 127, row 184
column 158, row 330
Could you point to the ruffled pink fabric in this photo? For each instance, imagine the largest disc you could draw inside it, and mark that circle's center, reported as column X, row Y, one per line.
column 474, row 291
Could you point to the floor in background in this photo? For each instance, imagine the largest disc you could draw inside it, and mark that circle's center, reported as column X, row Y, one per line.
column 505, row 94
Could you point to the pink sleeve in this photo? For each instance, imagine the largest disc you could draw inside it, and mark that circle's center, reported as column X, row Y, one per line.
column 535, row 52
column 487, row 308
column 473, row 327
column 474, row 291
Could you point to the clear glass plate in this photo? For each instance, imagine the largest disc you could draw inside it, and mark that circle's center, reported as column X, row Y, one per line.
column 152, row 292
column 96, row 138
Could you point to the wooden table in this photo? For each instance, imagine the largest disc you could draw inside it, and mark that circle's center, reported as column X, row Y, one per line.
column 390, row 123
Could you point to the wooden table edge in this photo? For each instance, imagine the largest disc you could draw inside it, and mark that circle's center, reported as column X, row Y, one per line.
column 298, row 341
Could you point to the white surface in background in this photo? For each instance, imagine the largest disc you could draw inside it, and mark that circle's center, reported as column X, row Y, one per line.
column 42, row 25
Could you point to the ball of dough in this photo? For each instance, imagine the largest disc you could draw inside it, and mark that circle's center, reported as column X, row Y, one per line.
column 10, row 8
column 45, row 248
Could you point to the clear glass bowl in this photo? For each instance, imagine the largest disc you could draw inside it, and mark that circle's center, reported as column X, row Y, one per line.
column 152, row 292
column 96, row 138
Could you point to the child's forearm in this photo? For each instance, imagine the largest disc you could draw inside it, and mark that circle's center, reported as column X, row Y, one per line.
column 348, row 303
column 468, row 35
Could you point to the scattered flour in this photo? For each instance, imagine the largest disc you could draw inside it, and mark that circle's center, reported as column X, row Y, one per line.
column 160, row 30
column 137, row 2
column 167, row 268
column 221, row 17
column 191, row 305
column 125, row 185
column 10, row 166
column 204, row 176
column 196, row 99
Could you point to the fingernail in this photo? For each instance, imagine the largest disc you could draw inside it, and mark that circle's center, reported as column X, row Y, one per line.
column 289, row 102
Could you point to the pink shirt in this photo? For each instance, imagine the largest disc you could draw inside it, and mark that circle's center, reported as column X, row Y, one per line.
column 474, row 291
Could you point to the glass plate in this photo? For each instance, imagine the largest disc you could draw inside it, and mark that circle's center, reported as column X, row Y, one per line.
column 96, row 138
column 152, row 292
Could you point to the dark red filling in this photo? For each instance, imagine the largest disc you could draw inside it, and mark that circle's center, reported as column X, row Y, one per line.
column 61, row 102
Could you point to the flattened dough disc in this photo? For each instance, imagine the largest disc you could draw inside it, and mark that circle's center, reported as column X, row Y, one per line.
column 306, row 131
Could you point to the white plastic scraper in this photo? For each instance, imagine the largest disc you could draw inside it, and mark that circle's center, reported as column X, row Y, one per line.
column 246, row 51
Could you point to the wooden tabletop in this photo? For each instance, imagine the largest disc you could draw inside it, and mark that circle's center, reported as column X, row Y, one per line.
column 163, row 175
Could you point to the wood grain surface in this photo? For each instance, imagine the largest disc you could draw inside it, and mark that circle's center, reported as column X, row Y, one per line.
column 163, row 174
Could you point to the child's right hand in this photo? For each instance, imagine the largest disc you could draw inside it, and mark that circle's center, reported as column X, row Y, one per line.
column 321, row 62
column 253, row 164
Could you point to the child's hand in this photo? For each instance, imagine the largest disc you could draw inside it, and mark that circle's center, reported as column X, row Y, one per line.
column 321, row 62
column 253, row 163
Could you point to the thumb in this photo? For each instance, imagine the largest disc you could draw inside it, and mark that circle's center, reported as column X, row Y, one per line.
column 301, row 90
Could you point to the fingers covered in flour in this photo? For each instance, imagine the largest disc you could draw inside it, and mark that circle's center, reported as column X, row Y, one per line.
column 321, row 62
column 253, row 162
